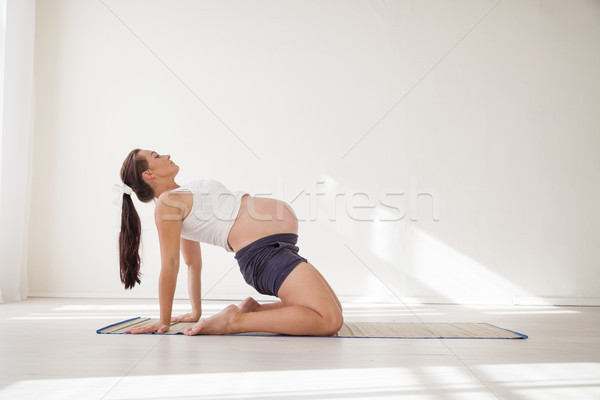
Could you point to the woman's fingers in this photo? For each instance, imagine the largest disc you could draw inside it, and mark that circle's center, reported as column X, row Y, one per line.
column 158, row 327
column 180, row 318
column 135, row 330
column 142, row 329
column 163, row 329
column 189, row 317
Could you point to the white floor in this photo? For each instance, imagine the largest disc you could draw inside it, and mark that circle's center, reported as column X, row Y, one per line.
column 49, row 350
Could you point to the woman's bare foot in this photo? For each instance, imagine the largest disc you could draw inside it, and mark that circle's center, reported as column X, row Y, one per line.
column 248, row 305
column 219, row 324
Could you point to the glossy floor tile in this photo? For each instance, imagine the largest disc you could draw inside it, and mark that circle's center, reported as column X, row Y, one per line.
column 49, row 350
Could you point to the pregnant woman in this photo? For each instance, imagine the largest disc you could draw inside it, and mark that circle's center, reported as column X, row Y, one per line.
column 261, row 231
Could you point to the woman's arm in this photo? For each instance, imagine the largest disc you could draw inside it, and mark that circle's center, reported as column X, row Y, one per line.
column 168, row 223
column 193, row 259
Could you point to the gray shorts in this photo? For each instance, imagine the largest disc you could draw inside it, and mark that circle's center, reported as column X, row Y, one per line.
column 266, row 262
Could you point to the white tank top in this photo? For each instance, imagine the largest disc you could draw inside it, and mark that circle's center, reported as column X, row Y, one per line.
column 213, row 212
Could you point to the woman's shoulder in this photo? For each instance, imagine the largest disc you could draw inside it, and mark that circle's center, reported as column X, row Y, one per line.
column 189, row 186
column 208, row 185
column 177, row 202
column 199, row 182
column 202, row 187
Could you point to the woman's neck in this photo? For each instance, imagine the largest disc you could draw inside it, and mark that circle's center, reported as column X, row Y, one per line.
column 165, row 188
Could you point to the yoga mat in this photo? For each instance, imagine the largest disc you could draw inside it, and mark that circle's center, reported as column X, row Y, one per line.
column 361, row 330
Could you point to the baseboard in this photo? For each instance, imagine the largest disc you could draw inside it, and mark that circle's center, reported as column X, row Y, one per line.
column 87, row 295
column 557, row 301
column 82, row 295
column 520, row 301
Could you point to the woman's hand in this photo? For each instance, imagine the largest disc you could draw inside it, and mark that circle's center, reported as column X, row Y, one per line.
column 158, row 327
column 189, row 317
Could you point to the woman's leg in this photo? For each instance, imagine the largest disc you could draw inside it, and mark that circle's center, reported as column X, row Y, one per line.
column 308, row 307
column 337, row 301
column 251, row 305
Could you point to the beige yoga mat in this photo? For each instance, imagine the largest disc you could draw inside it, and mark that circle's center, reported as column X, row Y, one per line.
column 363, row 330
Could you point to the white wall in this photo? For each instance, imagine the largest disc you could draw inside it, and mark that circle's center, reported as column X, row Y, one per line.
column 490, row 107
column 17, row 28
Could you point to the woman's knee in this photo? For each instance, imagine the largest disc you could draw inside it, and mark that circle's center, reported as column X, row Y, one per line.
column 332, row 323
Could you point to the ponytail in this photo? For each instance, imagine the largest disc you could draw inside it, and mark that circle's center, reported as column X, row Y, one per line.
column 129, row 244
column 131, row 227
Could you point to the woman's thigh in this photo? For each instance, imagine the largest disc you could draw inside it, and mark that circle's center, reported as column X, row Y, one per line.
column 305, row 286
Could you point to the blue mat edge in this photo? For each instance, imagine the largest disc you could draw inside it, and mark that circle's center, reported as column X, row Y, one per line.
column 521, row 335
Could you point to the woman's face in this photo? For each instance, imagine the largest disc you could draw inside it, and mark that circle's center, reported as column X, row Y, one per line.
column 160, row 165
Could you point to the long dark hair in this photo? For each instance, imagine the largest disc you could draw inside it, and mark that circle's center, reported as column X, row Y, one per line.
column 131, row 226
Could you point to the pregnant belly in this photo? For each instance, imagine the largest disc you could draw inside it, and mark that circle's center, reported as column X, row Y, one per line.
column 259, row 217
